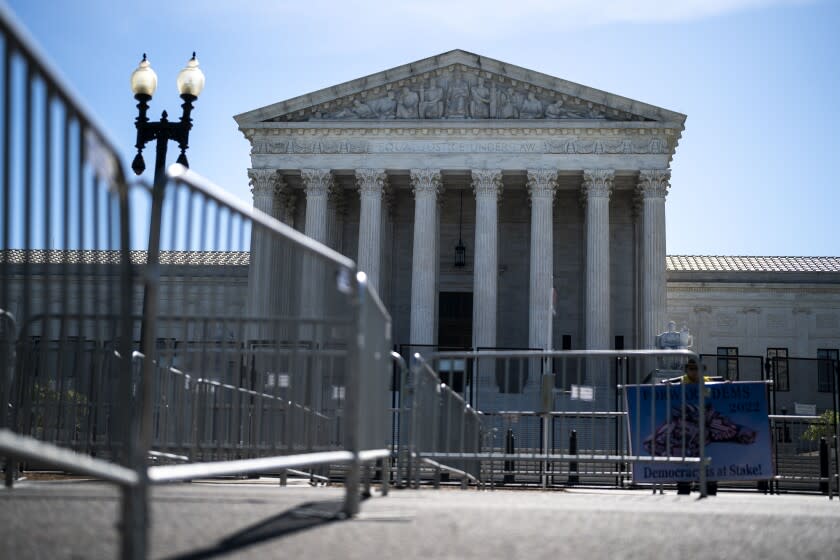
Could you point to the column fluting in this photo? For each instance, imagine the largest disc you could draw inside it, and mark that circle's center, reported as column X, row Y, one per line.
column 487, row 185
column 266, row 185
column 652, row 189
column 597, row 187
column 371, row 183
column 317, row 184
column 426, row 184
column 542, row 185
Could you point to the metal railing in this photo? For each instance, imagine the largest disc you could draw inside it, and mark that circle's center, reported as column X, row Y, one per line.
column 439, row 427
column 227, row 388
column 155, row 366
column 66, row 277
column 567, row 413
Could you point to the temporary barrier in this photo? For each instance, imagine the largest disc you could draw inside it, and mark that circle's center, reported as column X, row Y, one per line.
column 438, row 428
column 567, row 413
column 223, row 368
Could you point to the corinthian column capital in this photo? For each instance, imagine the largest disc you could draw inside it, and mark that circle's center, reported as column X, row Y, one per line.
column 598, row 183
column 317, row 182
column 542, row 183
column 426, row 182
column 487, row 182
column 265, row 182
column 371, row 182
column 654, row 183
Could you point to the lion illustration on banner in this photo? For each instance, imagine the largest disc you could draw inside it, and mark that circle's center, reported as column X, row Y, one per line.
column 682, row 432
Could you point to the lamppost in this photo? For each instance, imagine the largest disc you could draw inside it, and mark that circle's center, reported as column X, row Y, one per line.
column 190, row 82
column 143, row 83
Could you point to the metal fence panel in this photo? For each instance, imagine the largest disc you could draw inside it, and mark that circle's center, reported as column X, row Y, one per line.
column 561, row 415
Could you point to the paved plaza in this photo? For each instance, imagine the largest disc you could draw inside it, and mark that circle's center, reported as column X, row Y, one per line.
column 258, row 519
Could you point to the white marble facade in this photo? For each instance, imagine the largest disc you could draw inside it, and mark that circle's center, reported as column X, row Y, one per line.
column 563, row 189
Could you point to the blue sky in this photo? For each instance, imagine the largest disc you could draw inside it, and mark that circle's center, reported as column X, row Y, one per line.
column 755, row 172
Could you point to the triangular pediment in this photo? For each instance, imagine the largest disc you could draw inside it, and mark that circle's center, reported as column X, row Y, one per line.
column 458, row 85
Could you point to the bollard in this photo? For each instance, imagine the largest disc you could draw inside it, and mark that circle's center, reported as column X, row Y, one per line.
column 510, row 466
column 823, row 465
column 573, row 466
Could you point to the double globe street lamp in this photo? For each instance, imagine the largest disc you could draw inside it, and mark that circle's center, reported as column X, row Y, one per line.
column 144, row 83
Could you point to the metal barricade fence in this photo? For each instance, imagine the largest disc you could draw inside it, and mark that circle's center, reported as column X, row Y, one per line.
column 65, row 272
column 66, row 276
column 124, row 354
column 804, row 456
column 566, row 412
column 276, row 358
column 437, row 427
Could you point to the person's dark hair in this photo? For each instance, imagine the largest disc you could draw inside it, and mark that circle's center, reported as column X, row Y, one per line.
column 691, row 364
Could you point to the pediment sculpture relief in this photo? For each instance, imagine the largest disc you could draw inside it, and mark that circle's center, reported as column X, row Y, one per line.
column 457, row 94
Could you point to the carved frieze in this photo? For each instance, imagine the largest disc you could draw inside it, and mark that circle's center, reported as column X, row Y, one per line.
column 458, row 92
column 579, row 144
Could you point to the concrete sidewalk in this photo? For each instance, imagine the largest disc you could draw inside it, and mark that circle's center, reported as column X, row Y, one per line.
column 262, row 520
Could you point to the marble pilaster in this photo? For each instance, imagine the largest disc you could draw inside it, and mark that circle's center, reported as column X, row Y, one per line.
column 371, row 183
column 653, row 188
column 597, row 188
column 542, row 184
column 426, row 184
column 487, row 185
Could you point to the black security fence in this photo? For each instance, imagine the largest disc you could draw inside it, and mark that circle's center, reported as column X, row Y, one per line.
column 804, row 386
column 734, row 368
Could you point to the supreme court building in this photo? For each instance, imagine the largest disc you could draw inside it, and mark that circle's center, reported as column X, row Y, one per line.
column 477, row 195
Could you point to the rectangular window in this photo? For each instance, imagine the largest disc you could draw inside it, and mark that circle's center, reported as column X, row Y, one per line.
column 778, row 359
column 727, row 362
column 619, row 342
column 826, row 368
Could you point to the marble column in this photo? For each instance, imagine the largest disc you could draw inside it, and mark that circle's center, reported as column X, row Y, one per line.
column 371, row 183
column 317, row 184
column 542, row 185
column 336, row 210
column 266, row 185
column 487, row 185
column 653, row 188
column 285, row 294
column 426, row 184
column 597, row 187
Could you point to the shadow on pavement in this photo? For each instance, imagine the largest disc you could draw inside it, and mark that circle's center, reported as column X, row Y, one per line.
column 299, row 518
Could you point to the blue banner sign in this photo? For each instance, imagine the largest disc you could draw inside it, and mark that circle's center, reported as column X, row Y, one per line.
column 663, row 421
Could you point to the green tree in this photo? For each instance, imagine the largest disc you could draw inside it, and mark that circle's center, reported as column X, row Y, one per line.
column 824, row 427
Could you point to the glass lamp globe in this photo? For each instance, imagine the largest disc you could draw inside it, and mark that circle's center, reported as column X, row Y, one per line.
column 191, row 79
column 144, row 79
